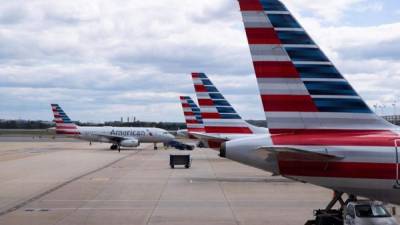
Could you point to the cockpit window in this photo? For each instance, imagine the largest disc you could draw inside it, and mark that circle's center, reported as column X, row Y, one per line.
column 371, row 211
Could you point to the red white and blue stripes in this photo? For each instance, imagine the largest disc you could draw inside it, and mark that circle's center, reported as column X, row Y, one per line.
column 193, row 119
column 310, row 105
column 300, row 88
column 219, row 116
column 64, row 125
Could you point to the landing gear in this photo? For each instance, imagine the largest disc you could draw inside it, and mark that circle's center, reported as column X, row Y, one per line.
column 114, row 147
column 329, row 215
column 155, row 146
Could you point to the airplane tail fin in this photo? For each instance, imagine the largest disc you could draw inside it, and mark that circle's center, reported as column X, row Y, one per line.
column 219, row 116
column 64, row 125
column 193, row 119
column 300, row 87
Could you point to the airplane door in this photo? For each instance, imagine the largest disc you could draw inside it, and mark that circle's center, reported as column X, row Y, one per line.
column 397, row 148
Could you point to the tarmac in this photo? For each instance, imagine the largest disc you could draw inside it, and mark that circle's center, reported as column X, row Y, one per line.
column 74, row 183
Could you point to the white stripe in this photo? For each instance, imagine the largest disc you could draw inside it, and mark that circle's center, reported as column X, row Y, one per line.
column 208, row 109
column 266, row 52
column 197, row 81
column 202, row 95
column 277, row 12
column 193, row 125
column 190, row 117
column 287, row 86
column 255, row 19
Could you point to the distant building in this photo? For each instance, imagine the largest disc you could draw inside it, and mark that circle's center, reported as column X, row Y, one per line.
column 395, row 119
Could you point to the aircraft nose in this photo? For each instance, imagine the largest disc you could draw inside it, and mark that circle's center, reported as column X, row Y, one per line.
column 170, row 136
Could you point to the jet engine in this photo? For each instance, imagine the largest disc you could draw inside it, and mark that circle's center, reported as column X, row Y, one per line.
column 130, row 143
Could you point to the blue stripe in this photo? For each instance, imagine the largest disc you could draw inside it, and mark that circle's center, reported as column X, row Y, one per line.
column 225, row 110
column 318, row 71
column 295, row 37
column 230, row 116
column 206, row 82
column 283, row 21
column 202, row 75
column 216, row 96
column 306, row 54
column 341, row 105
column 273, row 5
column 329, row 88
column 211, row 89
column 221, row 103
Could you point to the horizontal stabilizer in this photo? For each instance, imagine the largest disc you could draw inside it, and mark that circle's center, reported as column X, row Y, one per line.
column 204, row 136
column 289, row 153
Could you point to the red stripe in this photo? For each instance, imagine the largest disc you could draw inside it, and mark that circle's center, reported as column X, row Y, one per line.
column 65, row 127
column 188, row 113
column 210, row 116
column 206, row 102
column 275, row 69
column 195, row 75
column 192, row 121
column 333, row 137
column 182, row 98
column 337, row 169
column 262, row 36
column 228, row 130
column 195, row 129
column 288, row 103
column 248, row 5
column 200, row 88
column 67, row 132
column 185, row 105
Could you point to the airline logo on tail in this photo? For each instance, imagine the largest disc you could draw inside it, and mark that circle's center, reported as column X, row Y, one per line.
column 219, row 116
column 300, row 88
column 193, row 119
column 64, row 125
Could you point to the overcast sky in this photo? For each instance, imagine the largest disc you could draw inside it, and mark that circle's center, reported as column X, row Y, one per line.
column 103, row 59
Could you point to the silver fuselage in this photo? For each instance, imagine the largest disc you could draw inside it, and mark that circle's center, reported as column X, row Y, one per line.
column 369, row 171
column 142, row 134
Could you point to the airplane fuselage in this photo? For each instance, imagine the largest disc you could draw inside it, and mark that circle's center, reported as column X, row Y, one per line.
column 367, row 164
column 142, row 134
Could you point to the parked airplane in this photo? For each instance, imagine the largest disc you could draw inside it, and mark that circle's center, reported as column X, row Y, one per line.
column 118, row 136
column 193, row 119
column 321, row 130
column 221, row 121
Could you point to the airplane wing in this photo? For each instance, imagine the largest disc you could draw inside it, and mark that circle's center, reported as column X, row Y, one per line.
column 114, row 138
column 204, row 136
column 289, row 153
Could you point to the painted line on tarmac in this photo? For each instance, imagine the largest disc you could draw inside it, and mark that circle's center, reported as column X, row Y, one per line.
column 24, row 203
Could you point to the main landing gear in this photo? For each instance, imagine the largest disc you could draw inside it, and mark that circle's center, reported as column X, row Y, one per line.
column 329, row 215
column 155, row 146
column 116, row 147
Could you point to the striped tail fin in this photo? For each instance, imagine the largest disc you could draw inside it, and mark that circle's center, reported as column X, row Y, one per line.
column 300, row 87
column 219, row 116
column 193, row 119
column 64, row 125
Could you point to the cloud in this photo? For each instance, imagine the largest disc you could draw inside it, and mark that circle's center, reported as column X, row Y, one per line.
column 105, row 59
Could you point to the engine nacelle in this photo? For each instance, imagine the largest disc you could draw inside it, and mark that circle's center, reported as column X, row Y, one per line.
column 246, row 151
column 130, row 143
